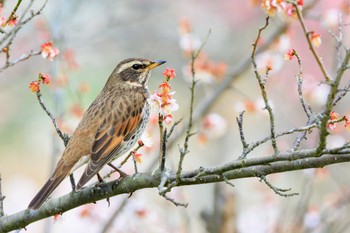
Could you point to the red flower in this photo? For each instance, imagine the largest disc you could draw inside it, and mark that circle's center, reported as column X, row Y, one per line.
column 34, row 86
column 48, row 51
column 290, row 11
column 333, row 115
column 268, row 67
column 168, row 118
column 169, row 73
column 331, row 126
column 316, row 39
column 347, row 121
column 44, row 78
column 289, row 54
column 13, row 21
column 165, row 87
column 137, row 156
column 300, row 2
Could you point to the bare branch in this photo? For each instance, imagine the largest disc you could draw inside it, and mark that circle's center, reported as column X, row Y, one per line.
column 2, row 213
column 311, row 47
column 23, row 57
column 240, row 128
column 284, row 162
column 306, row 107
column 227, row 181
column 184, row 150
column 63, row 136
column 278, row 191
column 263, row 90
column 13, row 12
column 330, row 100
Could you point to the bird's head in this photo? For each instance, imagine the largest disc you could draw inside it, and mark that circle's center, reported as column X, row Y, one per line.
column 135, row 71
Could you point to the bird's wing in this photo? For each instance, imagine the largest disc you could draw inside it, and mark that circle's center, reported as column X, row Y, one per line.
column 119, row 125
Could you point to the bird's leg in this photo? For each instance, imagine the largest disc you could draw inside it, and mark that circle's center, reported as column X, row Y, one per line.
column 121, row 173
column 72, row 182
column 99, row 177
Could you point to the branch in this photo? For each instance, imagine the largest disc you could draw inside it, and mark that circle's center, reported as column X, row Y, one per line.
column 278, row 191
column 2, row 213
column 13, row 12
column 23, row 57
column 330, row 100
column 184, row 150
column 262, row 84
column 62, row 135
column 311, row 47
column 284, row 162
column 10, row 35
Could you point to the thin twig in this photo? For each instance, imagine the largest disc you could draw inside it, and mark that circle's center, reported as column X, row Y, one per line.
column 227, row 181
column 2, row 213
column 174, row 201
column 172, row 128
column 13, row 12
column 342, row 93
column 306, row 107
column 63, row 136
column 23, row 57
column 330, row 100
column 311, row 47
column 10, row 36
column 263, row 90
column 161, row 133
column 278, row 191
column 135, row 163
column 255, row 144
column 240, row 128
column 184, row 150
column 21, row 21
column 163, row 150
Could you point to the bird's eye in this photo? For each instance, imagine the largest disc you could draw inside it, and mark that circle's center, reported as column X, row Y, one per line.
column 136, row 66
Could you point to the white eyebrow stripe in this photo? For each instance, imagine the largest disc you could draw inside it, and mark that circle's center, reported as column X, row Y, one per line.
column 127, row 65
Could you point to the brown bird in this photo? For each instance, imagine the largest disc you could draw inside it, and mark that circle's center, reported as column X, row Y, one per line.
column 110, row 127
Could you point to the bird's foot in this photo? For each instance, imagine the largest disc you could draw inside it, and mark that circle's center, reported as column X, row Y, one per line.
column 121, row 173
column 72, row 182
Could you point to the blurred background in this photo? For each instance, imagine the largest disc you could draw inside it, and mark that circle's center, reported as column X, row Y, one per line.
column 94, row 36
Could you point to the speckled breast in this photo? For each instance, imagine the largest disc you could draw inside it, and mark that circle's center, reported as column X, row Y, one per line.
column 139, row 131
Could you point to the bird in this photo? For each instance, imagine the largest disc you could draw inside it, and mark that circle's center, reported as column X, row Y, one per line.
column 109, row 128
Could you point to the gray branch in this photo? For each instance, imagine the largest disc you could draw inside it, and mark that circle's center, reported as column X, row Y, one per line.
column 254, row 167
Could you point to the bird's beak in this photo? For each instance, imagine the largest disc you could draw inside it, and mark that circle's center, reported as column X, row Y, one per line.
column 155, row 64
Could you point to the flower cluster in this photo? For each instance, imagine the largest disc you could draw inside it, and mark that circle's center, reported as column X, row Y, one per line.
column 163, row 100
column 273, row 6
column 34, row 86
column 49, row 51
column 334, row 118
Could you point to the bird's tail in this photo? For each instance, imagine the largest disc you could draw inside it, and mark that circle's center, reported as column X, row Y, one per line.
column 44, row 192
